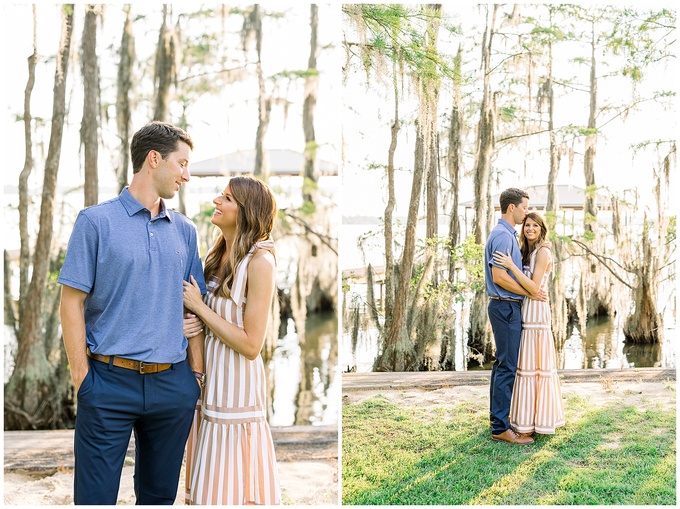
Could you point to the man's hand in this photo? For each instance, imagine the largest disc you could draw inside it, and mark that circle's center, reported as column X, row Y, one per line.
column 78, row 378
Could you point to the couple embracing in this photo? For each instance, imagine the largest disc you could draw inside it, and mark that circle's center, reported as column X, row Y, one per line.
column 525, row 395
column 154, row 350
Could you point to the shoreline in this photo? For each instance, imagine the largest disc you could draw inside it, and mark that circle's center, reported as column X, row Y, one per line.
column 644, row 386
column 432, row 380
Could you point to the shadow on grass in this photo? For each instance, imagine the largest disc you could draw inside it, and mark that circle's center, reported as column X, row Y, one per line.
column 596, row 459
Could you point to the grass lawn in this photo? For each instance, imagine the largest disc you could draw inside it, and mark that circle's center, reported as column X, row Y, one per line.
column 412, row 455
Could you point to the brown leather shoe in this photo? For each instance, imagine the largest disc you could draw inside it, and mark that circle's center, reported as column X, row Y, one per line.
column 511, row 436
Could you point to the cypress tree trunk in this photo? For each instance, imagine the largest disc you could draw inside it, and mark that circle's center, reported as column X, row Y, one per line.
column 32, row 398
column 25, row 251
column 315, row 288
column 590, row 211
column 165, row 68
column 556, row 291
column 123, row 107
column 391, row 203
column 264, row 108
column 479, row 337
column 427, row 356
column 397, row 350
column 595, row 295
column 645, row 324
column 89, row 138
column 311, row 171
column 455, row 166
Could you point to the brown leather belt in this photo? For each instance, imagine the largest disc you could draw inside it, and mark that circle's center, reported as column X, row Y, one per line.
column 143, row 368
column 504, row 298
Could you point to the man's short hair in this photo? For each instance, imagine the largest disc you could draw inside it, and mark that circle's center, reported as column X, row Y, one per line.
column 159, row 136
column 512, row 195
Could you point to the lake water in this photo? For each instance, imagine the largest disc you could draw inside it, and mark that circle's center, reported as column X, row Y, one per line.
column 306, row 376
column 602, row 346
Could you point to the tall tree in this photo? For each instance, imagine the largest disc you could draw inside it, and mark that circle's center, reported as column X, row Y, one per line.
column 123, row 106
column 556, row 289
column 455, row 158
column 252, row 29
column 590, row 210
column 165, row 68
column 406, row 37
column 645, row 324
column 644, row 258
column 455, row 171
column 311, row 169
column 480, row 332
column 25, row 249
column 315, row 286
column 168, row 54
column 397, row 351
column 390, row 274
column 424, row 310
column 630, row 42
column 32, row 398
column 89, row 138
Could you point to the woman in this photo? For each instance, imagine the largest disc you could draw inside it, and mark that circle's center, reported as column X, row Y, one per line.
column 536, row 405
column 230, row 453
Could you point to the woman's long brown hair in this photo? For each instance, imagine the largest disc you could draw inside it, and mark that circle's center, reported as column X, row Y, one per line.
column 524, row 243
column 255, row 222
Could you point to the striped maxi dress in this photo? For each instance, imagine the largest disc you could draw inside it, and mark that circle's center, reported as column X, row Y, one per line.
column 230, row 452
column 536, row 404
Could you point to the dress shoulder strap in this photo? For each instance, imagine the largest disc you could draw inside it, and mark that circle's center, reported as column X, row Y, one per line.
column 238, row 287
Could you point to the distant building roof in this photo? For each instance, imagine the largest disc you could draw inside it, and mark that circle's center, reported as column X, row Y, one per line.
column 358, row 274
column 568, row 197
column 281, row 162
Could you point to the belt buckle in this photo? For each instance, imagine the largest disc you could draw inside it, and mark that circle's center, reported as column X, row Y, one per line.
column 141, row 368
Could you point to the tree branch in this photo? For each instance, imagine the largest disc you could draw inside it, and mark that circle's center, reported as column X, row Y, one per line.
column 213, row 73
column 326, row 240
column 602, row 259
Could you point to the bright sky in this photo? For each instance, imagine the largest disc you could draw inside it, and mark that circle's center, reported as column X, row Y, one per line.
column 217, row 124
column 229, row 123
column 367, row 138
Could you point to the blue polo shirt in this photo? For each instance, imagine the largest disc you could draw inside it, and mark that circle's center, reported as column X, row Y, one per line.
column 503, row 238
column 132, row 267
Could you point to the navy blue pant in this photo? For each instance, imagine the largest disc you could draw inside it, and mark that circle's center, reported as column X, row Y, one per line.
column 112, row 402
column 506, row 322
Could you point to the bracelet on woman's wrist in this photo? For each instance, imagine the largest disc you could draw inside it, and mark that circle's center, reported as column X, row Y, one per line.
column 200, row 377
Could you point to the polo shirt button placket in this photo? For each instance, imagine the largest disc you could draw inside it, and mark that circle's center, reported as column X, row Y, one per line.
column 152, row 243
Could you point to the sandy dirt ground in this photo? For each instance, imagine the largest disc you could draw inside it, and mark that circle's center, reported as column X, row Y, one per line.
column 316, row 482
column 302, row 483
column 641, row 394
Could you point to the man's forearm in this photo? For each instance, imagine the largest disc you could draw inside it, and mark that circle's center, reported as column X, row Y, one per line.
column 507, row 282
column 72, row 312
column 195, row 352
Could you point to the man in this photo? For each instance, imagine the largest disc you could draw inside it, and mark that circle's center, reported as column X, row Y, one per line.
column 505, row 312
column 121, row 316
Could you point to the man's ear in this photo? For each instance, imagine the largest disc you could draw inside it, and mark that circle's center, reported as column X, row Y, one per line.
column 153, row 158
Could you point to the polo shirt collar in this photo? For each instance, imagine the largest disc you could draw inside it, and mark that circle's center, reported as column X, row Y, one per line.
column 506, row 225
column 132, row 206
